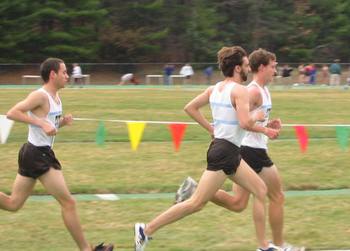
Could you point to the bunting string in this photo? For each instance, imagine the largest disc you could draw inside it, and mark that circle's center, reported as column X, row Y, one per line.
column 195, row 123
column 177, row 129
column 136, row 121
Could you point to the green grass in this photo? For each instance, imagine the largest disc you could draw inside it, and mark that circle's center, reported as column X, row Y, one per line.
column 317, row 222
column 292, row 106
column 155, row 167
column 115, row 168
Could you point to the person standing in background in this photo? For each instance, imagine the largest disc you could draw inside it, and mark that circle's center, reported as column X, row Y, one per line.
column 168, row 71
column 187, row 71
column 77, row 74
column 335, row 73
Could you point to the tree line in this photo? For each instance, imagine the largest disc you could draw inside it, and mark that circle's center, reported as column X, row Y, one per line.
column 172, row 30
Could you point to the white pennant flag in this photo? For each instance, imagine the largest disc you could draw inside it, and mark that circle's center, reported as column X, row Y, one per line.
column 5, row 128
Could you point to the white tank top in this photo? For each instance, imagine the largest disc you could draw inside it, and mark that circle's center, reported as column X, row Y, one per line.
column 36, row 135
column 259, row 140
column 226, row 125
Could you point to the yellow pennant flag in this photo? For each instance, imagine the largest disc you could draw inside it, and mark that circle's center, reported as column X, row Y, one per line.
column 135, row 133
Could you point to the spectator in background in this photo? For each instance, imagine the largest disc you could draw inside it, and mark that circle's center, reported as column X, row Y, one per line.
column 311, row 71
column 129, row 78
column 286, row 70
column 285, row 73
column 168, row 71
column 208, row 72
column 77, row 74
column 335, row 72
column 187, row 71
column 324, row 74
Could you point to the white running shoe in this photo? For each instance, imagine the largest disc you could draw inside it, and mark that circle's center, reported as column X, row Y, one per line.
column 141, row 239
column 270, row 248
column 289, row 247
column 185, row 190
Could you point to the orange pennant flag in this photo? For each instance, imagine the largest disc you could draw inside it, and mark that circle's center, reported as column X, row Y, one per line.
column 135, row 130
column 302, row 136
column 177, row 133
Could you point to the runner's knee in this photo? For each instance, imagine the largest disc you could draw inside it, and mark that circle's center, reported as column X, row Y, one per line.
column 195, row 205
column 236, row 203
column 239, row 206
column 68, row 203
column 14, row 205
column 277, row 197
column 261, row 191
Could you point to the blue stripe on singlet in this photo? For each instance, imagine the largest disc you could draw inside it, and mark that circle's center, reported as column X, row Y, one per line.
column 55, row 113
column 266, row 106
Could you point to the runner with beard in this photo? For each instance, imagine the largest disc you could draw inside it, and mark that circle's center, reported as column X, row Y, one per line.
column 229, row 102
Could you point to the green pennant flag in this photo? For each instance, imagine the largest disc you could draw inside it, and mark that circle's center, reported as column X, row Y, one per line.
column 100, row 134
column 343, row 136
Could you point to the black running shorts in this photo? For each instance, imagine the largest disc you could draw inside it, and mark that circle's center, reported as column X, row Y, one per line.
column 256, row 158
column 223, row 155
column 34, row 161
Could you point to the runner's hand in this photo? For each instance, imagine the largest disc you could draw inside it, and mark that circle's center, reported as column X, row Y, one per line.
column 275, row 124
column 271, row 133
column 48, row 128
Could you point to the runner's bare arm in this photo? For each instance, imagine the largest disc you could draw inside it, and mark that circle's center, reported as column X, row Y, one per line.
column 34, row 100
column 255, row 101
column 192, row 109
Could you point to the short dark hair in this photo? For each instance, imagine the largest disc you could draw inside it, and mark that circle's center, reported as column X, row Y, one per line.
column 260, row 57
column 50, row 64
column 229, row 58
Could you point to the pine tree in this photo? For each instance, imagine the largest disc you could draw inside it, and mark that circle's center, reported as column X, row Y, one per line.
column 34, row 30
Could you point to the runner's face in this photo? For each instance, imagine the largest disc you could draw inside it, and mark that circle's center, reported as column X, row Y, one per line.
column 245, row 68
column 62, row 76
column 270, row 70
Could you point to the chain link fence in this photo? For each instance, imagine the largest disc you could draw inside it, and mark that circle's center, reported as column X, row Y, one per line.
column 153, row 74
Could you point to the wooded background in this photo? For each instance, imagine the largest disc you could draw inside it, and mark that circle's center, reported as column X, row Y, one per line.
column 172, row 30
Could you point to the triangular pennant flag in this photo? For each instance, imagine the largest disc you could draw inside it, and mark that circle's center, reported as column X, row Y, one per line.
column 177, row 133
column 135, row 133
column 5, row 128
column 100, row 134
column 342, row 136
column 302, row 136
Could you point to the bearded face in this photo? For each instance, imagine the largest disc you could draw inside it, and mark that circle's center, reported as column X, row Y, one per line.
column 244, row 75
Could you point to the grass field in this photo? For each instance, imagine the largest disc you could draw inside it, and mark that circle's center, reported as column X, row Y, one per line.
column 314, row 221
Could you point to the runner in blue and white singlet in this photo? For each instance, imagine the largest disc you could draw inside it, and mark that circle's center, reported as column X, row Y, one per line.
column 255, row 139
column 254, row 151
column 224, row 115
column 36, row 135
column 229, row 102
column 42, row 110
